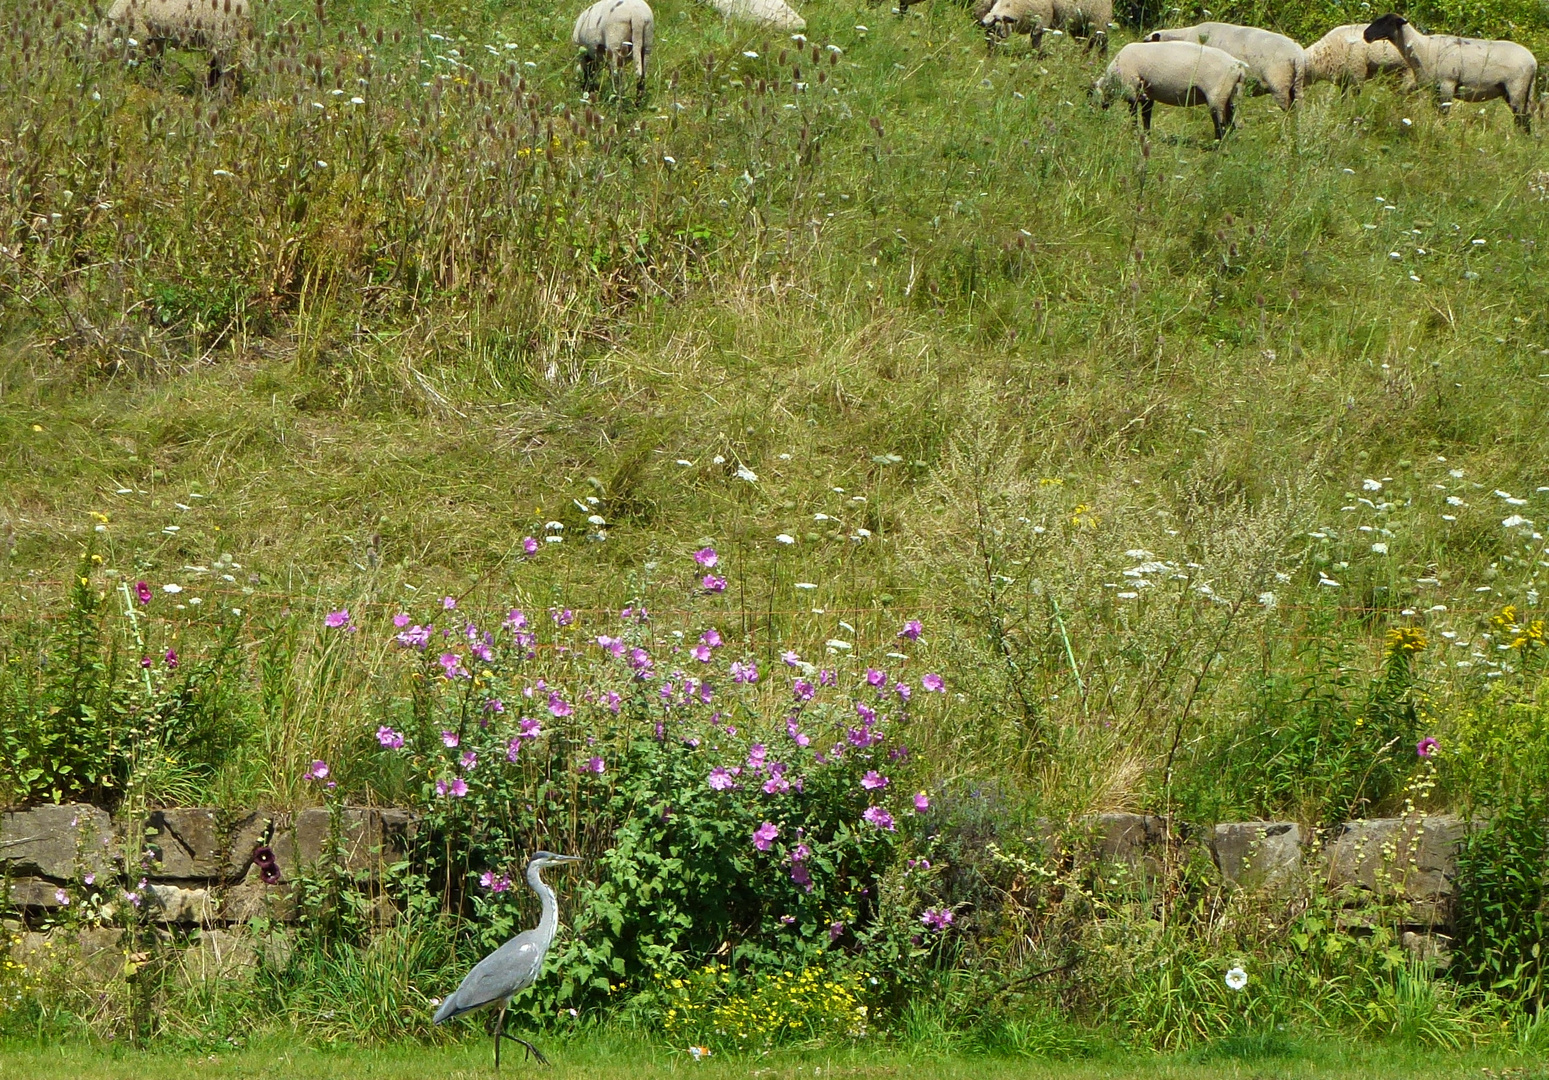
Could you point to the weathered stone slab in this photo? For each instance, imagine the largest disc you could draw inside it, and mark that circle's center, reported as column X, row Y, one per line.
column 60, row 842
column 252, row 899
column 247, row 832
column 1258, row 854
column 1412, row 859
column 175, row 904
column 368, row 839
column 34, row 892
column 218, row 954
column 186, row 843
column 1126, row 837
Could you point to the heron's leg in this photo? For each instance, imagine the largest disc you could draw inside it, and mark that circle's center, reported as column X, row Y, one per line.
column 531, row 1049
column 500, row 1023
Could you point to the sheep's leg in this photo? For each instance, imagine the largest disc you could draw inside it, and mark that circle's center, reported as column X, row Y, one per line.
column 1145, row 113
column 1035, row 39
column 1228, row 112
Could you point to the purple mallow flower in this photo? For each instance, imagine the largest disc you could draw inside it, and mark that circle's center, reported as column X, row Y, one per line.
column 802, row 690
column 449, row 739
column 1426, row 747
column 416, row 637
column 911, row 630
column 388, row 737
column 530, row 545
column 594, row 765
column 706, row 557
column 401, row 619
column 875, row 677
column 335, row 619
column 878, row 817
column 921, row 802
column 459, row 788
column 933, row 683
column 744, row 672
column 713, row 584
column 873, row 780
column 765, row 835
column 721, row 780
column 318, row 770
column 142, row 592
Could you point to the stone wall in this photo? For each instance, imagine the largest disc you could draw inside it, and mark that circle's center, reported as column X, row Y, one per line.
column 199, row 869
column 197, row 863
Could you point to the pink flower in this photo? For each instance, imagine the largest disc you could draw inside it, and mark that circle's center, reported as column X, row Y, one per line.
column 389, row 738
column 911, row 630
column 449, row 739
column 495, row 705
column 401, row 620
column 594, row 765
column 512, row 747
column 791, row 657
column 875, row 677
column 530, row 545
column 801, row 875
column 459, row 788
column 449, row 602
column 558, row 706
column 921, row 802
column 706, row 557
column 562, row 618
column 713, row 584
column 776, row 785
column 494, row 882
column 416, row 637
column 744, row 673
column 721, row 780
column 335, row 619
column 873, row 780
column 143, row 592
column 937, row 918
column 701, row 653
column 452, row 666
column 61, row 897
column 835, row 931
column 756, row 754
column 879, row 818
column 529, row 729
column 802, row 690
column 469, row 760
column 902, row 690
column 765, row 835
column 171, row 659
column 933, row 683
column 1426, row 747
column 614, row 645
column 516, row 619
column 612, row 700
column 318, row 770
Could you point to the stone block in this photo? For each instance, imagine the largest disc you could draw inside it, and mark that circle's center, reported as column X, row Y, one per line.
column 1126, row 837
column 1258, row 854
column 252, row 899
column 368, row 839
column 60, row 842
column 33, row 892
column 1413, row 859
column 186, row 843
column 246, row 832
column 218, row 954
column 175, row 904
column 1433, row 951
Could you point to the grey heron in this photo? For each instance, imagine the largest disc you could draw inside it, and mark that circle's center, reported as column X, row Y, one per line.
column 515, row 965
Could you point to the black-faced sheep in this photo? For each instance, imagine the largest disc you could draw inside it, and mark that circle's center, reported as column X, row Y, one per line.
column 1174, row 73
column 1463, row 69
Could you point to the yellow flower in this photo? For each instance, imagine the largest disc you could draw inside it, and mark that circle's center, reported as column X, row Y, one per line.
column 1406, row 639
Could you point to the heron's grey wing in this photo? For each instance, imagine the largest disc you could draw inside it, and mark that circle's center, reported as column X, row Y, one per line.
column 512, row 967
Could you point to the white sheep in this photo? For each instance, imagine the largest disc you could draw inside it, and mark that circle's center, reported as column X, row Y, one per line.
column 775, row 14
column 1277, row 65
column 1465, row 69
column 1001, row 18
column 1174, row 73
column 223, row 28
column 1085, row 18
column 1344, row 56
column 614, row 32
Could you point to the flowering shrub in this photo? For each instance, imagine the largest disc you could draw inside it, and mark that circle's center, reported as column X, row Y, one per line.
column 729, row 804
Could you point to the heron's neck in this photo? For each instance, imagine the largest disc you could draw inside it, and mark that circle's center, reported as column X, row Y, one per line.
column 549, row 923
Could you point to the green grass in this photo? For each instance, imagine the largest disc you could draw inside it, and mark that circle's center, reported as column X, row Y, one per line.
column 602, row 1060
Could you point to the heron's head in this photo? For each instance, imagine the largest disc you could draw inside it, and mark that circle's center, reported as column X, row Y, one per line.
column 542, row 859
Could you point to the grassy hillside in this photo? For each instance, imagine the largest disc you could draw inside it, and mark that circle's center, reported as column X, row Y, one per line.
column 983, row 348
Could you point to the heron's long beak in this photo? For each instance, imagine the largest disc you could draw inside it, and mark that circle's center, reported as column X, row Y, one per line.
column 567, row 858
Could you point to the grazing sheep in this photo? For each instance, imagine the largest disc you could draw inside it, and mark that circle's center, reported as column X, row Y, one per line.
column 1345, row 57
column 613, row 32
column 1002, row 18
column 1277, row 65
column 1085, row 18
column 222, row 28
column 1174, row 73
column 775, row 14
column 1465, row 69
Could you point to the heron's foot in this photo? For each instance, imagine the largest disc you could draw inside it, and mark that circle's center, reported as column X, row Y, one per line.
column 532, row 1050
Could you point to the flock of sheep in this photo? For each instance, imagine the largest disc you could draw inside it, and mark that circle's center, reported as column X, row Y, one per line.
column 1206, row 64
